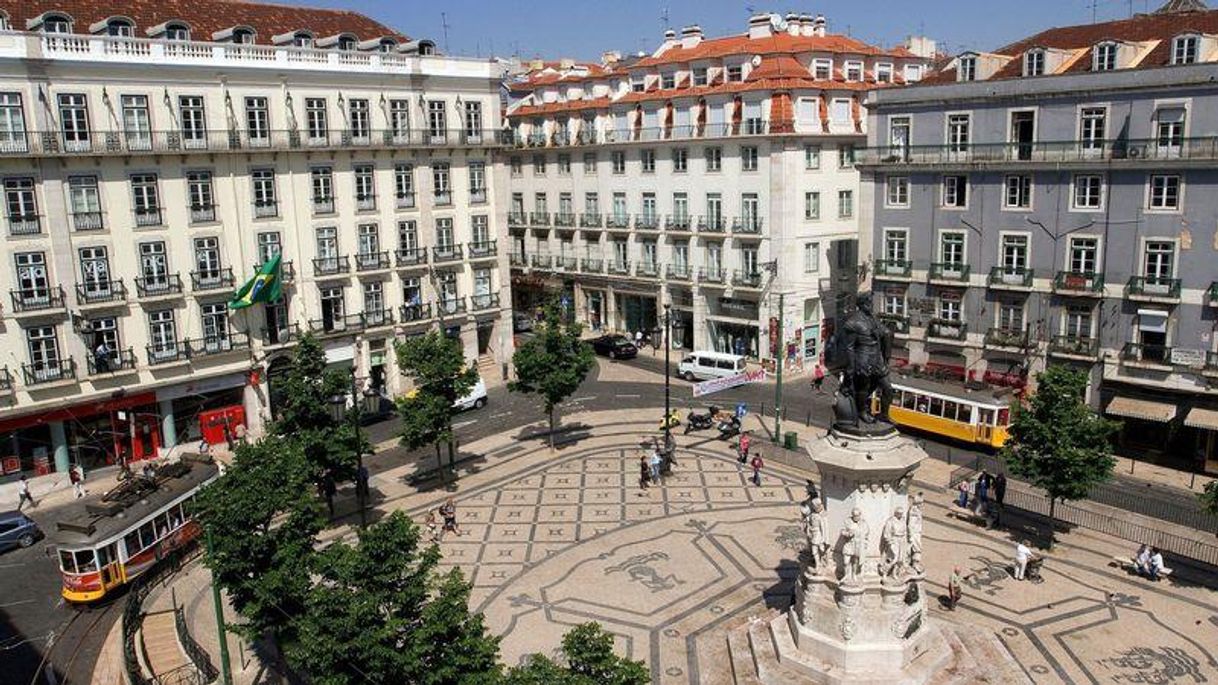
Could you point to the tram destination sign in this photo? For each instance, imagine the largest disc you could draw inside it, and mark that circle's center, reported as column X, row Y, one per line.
column 716, row 384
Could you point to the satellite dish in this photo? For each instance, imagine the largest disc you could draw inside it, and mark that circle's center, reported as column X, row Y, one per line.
column 756, row 60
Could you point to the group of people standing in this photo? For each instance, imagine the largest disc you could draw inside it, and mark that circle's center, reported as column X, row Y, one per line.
column 984, row 495
column 656, row 463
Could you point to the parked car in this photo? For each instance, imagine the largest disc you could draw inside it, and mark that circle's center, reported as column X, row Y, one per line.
column 521, row 322
column 707, row 365
column 17, row 530
column 476, row 399
column 614, row 347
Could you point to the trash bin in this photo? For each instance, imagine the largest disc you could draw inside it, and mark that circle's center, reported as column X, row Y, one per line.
column 790, row 440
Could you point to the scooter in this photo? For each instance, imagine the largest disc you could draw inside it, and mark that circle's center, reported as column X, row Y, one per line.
column 671, row 421
column 728, row 427
column 700, row 421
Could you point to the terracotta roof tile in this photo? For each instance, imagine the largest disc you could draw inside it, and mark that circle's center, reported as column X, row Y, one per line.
column 777, row 43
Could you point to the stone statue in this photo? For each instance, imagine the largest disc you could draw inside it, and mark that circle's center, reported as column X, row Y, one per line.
column 914, row 524
column 816, row 530
column 893, row 539
column 862, row 350
column 854, row 546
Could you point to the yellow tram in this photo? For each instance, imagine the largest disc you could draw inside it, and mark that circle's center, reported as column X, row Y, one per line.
column 108, row 540
column 979, row 417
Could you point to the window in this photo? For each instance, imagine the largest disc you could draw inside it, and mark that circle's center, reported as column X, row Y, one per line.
column 680, row 209
column 894, row 303
column 33, row 285
column 316, row 125
column 177, row 31
column 74, row 121
column 444, row 235
column 898, row 191
column 269, row 245
column 845, row 156
column 592, row 204
column 714, row 210
column 1083, row 255
column 958, row 132
column 637, row 85
column 56, row 23
column 1034, row 62
column 811, row 157
column 700, row 76
column 105, row 333
column 358, row 121
column 84, row 202
column 399, row 119
column 480, row 228
column 440, row 182
column 735, row 73
column 1169, row 131
column 967, row 70
column 822, row 69
column 1105, row 58
column 951, row 248
column 896, row 248
column 1018, row 192
column 365, row 186
column 668, row 81
column 1184, row 49
column 201, row 195
column 618, row 159
column 1014, row 253
column 949, row 309
column 327, row 249
column 263, row 182
column 302, row 40
column 845, row 204
column 565, row 208
column 1011, row 316
column 21, row 206
column 403, row 185
column 12, row 123
column 955, row 192
column 243, row 36
column 437, row 121
column 368, row 243
column 144, row 200
column 539, row 165
column 137, row 122
column 854, row 71
column 473, row 122
column 812, row 205
column 589, row 162
column 840, row 112
column 516, row 165
column 811, row 258
column 193, row 120
column 883, row 73
column 214, row 319
column 899, row 129
column 1078, row 323
column 322, row 179
column 477, row 181
column 748, row 158
column 714, row 159
column 680, row 160
column 154, row 266
column 1158, row 261
column 45, row 363
column 120, row 28
column 333, row 310
column 620, row 213
column 564, row 165
column 540, row 204
column 1088, row 191
column 207, row 260
column 1092, row 125
column 1164, row 192
column 408, row 239
column 257, row 121
column 648, row 158
column 750, row 212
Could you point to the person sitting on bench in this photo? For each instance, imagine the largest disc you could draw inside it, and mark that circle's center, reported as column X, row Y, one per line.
column 1156, row 564
column 1141, row 562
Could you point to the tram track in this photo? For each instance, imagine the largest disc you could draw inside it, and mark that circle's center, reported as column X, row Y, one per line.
column 83, row 635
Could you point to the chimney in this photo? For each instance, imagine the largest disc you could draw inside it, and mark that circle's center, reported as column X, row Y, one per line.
column 610, row 58
column 691, row 36
column 819, row 25
column 566, row 63
column 670, row 35
column 792, row 23
column 536, row 65
column 759, row 26
column 805, row 25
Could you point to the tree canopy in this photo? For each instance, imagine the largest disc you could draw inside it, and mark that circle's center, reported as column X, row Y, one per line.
column 553, row 363
column 1209, row 497
column 586, row 658
column 436, row 364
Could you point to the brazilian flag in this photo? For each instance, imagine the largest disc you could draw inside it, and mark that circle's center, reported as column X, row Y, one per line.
column 263, row 287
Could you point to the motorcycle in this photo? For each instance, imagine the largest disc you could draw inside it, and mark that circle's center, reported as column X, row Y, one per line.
column 671, row 421
column 729, row 427
column 700, row 421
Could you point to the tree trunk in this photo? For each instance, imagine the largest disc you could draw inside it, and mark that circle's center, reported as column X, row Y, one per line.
column 1052, row 520
column 452, row 460
column 551, row 413
column 439, row 462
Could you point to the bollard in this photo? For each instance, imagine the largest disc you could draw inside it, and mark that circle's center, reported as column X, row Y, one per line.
column 808, row 420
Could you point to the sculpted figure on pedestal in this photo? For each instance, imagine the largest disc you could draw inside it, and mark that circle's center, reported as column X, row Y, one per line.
column 816, row 530
column 893, row 539
column 915, row 533
column 854, row 547
column 862, row 351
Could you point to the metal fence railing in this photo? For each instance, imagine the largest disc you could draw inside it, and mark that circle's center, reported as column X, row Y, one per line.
column 133, row 612
column 200, row 662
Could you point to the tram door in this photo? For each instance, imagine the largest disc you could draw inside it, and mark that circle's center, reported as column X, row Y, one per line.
column 108, row 562
column 985, row 426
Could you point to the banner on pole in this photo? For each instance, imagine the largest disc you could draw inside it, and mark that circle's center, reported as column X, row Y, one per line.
column 717, row 384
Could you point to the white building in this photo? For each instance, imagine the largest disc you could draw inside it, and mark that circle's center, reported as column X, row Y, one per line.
column 713, row 174
column 152, row 156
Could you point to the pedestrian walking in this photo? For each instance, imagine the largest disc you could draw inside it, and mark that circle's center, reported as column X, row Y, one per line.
column 983, row 488
column 1000, row 488
column 448, row 512
column 78, row 480
column 644, row 472
column 743, row 447
column 23, row 494
column 433, row 526
column 638, row 339
column 361, row 483
column 1022, row 555
column 962, row 500
column 329, row 489
column 757, row 464
column 818, row 379
column 656, row 462
column 955, row 589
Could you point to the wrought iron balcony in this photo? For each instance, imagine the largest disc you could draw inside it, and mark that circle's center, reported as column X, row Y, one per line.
column 371, row 261
column 37, row 299
column 486, row 248
column 678, row 223
column 404, row 200
column 1153, row 288
column 518, row 259
column 233, row 341
column 332, row 325
column 955, row 272
column 618, row 267
column 442, row 198
column 1079, row 283
column 646, row 221
column 999, row 336
column 591, row 220
column 287, row 270
column 87, row 221
column 539, row 218
column 895, row 322
column 517, row 218
column 167, row 353
column 212, row 279
column 101, row 292
column 410, row 313
column 647, row 270
column 49, row 371
column 24, row 224
column 592, row 266
column 1074, row 346
column 947, row 329
column 565, row 219
column 201, row 214
column 449, row 306
column 165, row 285
column 711, row 224
column 285, row 335
column 446, row 253
column 567, row 263
column 747, row 225
column 377, row 318
column 712, row 274
column 1140, row 353
column 331, row 266
column 541, row 261
column 323, row 205
column 482, row 302
column 1010, row 277
column 893, row 268
column 617, row 221
column 6, row 380
column 1042, row 152
column 148, row 216
column 367, row 203
column 114, row 362
column 266, row 209
column 679, row 272
column 412, row 256
column 477, row 196
column 746, row 279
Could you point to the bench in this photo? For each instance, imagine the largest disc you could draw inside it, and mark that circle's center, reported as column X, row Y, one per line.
column 1131, row 564
column 965, row 514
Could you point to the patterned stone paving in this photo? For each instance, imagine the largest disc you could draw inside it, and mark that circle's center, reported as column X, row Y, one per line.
column 668, row 570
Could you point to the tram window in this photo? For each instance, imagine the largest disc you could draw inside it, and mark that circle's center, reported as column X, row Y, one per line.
column 147, row 535
column 949, row 410
column 132, row 542
column 85, row 561
column 966, row 413
column 66, row 562
column 936, row 406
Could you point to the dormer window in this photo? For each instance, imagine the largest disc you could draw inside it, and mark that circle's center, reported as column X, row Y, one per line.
column 883, row 73
column 120, row 27
column 735, row 73
column 387, row 45
column 637, row 85
column 1034, row 62
column 668, row 81
column 1105, row 57
column 302, row 39
column 4, row 24
column 1184, row 49
column 243, row 36
column 177, row 31
column 427, row 48
column 346, row 43
column 968, row 68
column 822, row 69
column 854, row 71
column 56, row 23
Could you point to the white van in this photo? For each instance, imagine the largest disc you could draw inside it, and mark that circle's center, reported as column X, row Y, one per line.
column 707, row 365
column 476, row 399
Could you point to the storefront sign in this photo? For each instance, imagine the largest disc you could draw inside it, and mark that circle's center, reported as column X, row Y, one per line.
column 717, row 384
column 1185, row 357
column 203, row 386
column 744, row 309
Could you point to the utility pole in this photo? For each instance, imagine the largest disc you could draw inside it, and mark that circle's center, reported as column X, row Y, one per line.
column 226, row 667
column 667, row 374
column 778, row 362
column 361, row 482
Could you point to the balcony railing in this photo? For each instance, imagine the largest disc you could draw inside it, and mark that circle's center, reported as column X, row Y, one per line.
column 6, row 380
column 409, row 313
column 452, row 305
column 1006, row 337
column 413, row 256
column 539, row 218
column 148, row 216
column 618, row 267
column 101, row 292
column 24, row 224
column 346, row 323
column 287, row 270
column 167, row 353
column 404, row 200
column 1011, row 277
column 201, row 214
column 1146, row 354
column 323, row 205
column 1061, row 151
column 893, row 268
column 331, row 266
column 895, row 322
column 366, row 203
column 518, row 259
column 446, row 253
column 711, row 274
column 371, row 261
column 1078, row 282
column 747, row 225
column 1153, row 287
column 947, row 329
column 567, row 263
column 592, row 266
column 485, row 248
column 564, row 219
column 680, row 222
column 266, row 209
column 285, row 335
column 49, row 371
column 518, row 218
column 618, row 221
column 477, row 195
column 37, row 299
column 234, row 341
column 87, row 221
column 1211, row 362
column 377, row 318
column 1074, row 345
column 211, row 279
column 158, row 286
column 679, row 272
column 115, row 361
column 711, row 224
column 658, row 133
column 482, row 302
column 541, row 261
column 647, row 270
column 949, row 271
column 591, row 220
column 646, row 221
column 746, row 279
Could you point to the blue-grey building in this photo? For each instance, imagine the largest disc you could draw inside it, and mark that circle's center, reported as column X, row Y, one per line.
column 1056, row 201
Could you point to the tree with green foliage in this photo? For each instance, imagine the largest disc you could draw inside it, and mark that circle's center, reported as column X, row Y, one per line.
column 380, row 612
column 1209, row 497
column 1057, row 442
column 586, row 658
column 436, row 364
column 553, row 363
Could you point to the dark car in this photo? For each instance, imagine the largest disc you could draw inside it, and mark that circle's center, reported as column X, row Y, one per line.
column 614, row 346
column 521, row 322
column 17, row 530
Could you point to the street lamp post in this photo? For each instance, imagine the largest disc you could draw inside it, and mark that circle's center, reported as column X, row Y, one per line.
column 667, row 375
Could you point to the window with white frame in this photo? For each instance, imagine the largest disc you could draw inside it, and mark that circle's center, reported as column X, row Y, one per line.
column 144, row 200
column 12, row 123
column 1018, row 192
column 1011, row 316
column 589, row 162
column 896, row 248
column 1014, row 253
column 648, row 161
column 1158, row 261
column 201, row 195
column 359, row 122
column 539, row 165
column 894, row 302
column 668, row 80
column 441, row 183
column 1077, row 323
column 883, row 72
column 1034, row 62
column 1083, row 255
column 897, row 194
column 822, row 69
column 374, row 303
column 748, row 158
column 84, row 202
column 811, row 258
column 365, row 186
column 74, row 120
column 854, row 70
column 270, row 243
column 845, row 204
column 951, row 248
column 811, row 157
column 316, row 124
column 812, row 205
column 955, row 191
column 949, row 307
column 617, row 159
column 700, row 76
column 262, row 182
column 477, row 181
column 959, row 132
column 1169, row 130
column 680, row 160
column 515, row 165
column 1088, row 191
column 399, row 119
column 473, row 121
column 257, row 121
column 1164, row 192
column 1184, row 49
column 564, row 164
column 1092, row 128
column 322, row 182
column 967, row 68
column 403, row 185
column 437, row 120
column 845, row 156
column 1105, row 57
column 714, row 159
column 735, row 73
